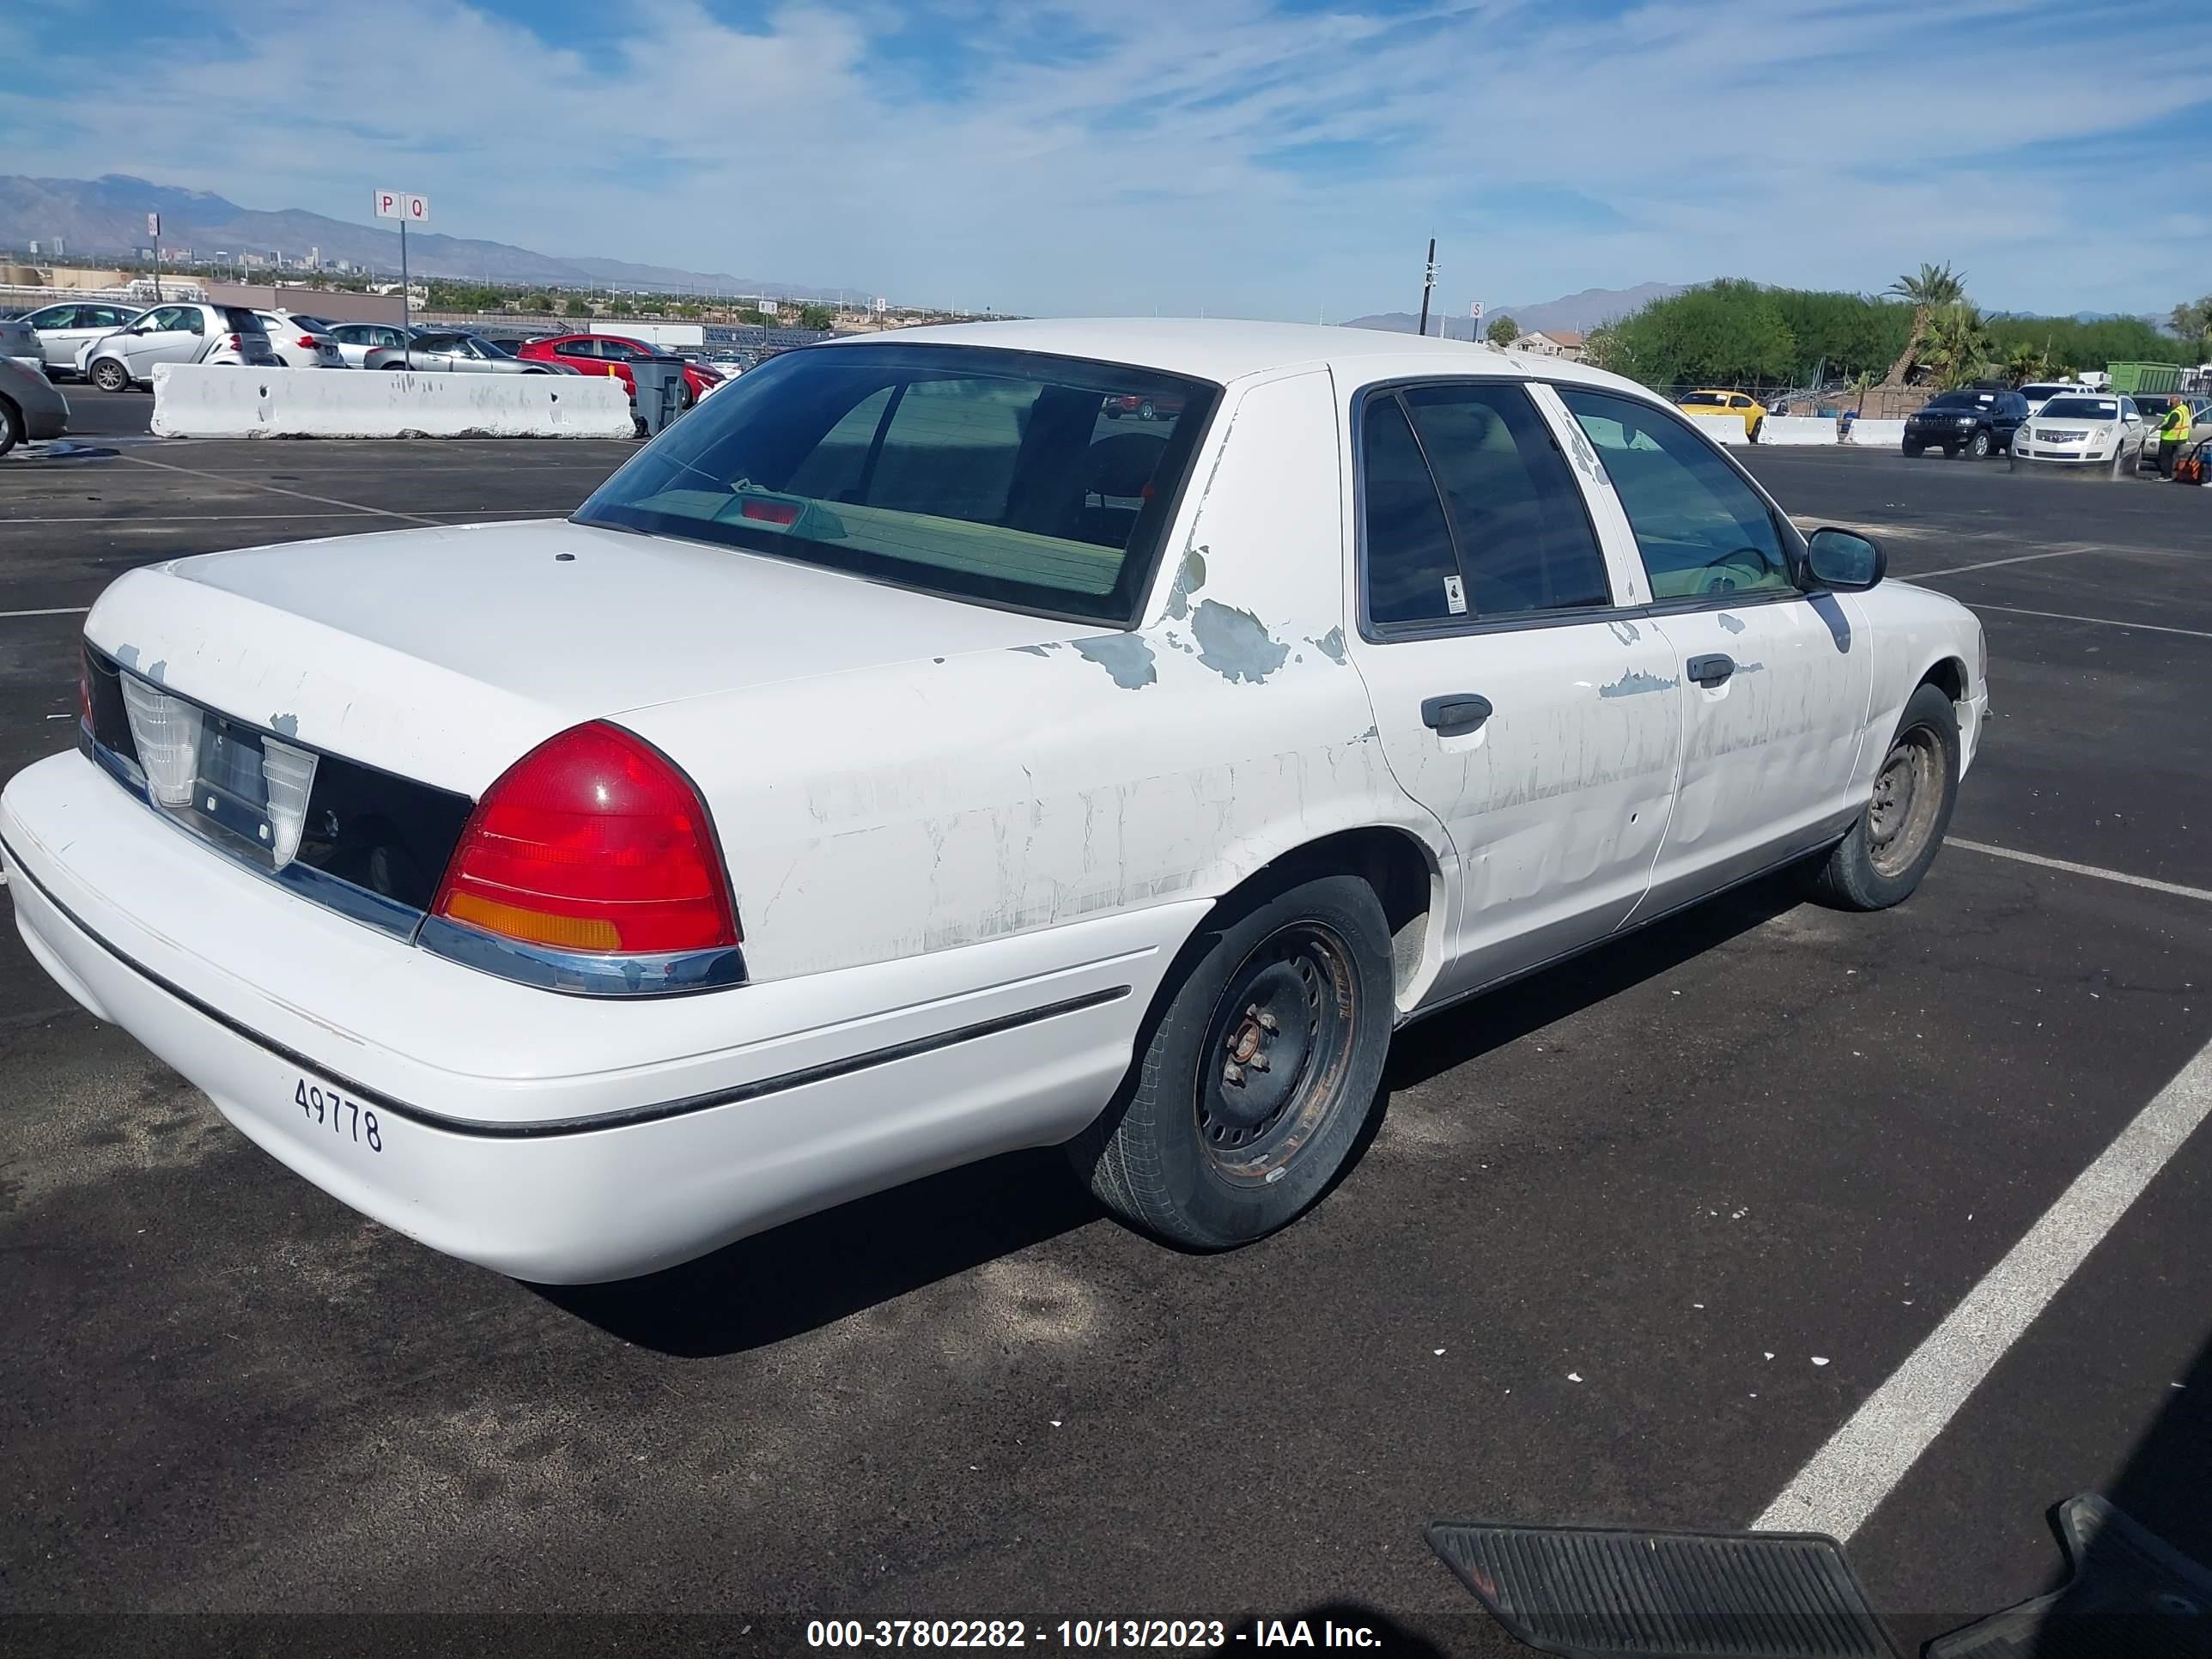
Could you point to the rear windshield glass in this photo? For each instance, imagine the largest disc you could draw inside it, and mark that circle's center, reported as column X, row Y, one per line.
column 1040, row 484
column 2082, row 409
column 239, row 321
column 1702, row 400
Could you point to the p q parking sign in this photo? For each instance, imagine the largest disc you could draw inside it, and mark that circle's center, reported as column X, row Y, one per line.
column 398, row 204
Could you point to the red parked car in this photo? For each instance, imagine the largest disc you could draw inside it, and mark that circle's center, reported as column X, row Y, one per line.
column 610, row 354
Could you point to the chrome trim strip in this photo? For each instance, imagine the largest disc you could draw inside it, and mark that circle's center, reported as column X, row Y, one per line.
column 672, row 973
column 484, row 1129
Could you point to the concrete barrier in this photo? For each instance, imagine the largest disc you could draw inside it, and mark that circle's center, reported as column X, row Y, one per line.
column 1880, row 435
column 1797, row 429
column 199, row 400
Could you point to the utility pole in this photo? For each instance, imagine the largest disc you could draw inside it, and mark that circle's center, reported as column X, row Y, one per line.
column 1428, row 281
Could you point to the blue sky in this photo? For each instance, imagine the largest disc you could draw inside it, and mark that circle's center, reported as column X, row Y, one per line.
column 1232, row 156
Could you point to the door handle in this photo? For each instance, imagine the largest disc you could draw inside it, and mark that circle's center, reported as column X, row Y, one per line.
column 1711, row 671
column 1454, row 715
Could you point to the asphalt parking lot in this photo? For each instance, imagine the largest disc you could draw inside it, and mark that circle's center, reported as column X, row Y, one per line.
column 1633, row 1241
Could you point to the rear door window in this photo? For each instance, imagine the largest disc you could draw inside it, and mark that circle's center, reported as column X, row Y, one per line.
column 1411, row 569
column 1524, row 538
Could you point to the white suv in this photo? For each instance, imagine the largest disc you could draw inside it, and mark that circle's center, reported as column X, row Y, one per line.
column 177, row 334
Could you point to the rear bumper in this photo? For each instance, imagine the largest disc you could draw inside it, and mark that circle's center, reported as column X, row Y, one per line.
column 548, row 1137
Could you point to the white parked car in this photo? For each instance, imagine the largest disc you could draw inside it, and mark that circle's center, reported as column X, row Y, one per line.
column 66, row 329
column 2039, row 392
column 180, row 333
column 940, row 767
column 301, row 342
column 2083, row 429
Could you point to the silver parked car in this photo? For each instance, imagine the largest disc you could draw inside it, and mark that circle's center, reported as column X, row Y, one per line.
column 300, row 341
column 63, row 329
column 460, row 354
column 356, row 340
column 177, row 334
column 30, row 406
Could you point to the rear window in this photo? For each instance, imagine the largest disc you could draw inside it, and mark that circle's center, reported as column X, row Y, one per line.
column 2082, row 409
column 239, row 320
column 1034, row 483
column 1702, row 400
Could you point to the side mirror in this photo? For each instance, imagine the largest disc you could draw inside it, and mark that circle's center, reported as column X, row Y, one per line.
column 1844, row 560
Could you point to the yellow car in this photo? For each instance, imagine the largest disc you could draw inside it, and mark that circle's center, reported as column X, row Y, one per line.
column 1729, row 405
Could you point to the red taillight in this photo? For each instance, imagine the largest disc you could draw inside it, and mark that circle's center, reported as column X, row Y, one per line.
column 594, row 842
column 307, row 342
column 770, row 512
column 237, row 344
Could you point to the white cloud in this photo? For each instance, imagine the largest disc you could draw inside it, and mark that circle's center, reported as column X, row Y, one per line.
column 1817, row 142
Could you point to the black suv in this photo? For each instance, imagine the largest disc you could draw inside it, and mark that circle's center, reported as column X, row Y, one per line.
column 1977, row 422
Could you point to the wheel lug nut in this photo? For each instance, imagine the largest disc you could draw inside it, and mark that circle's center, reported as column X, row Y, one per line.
column 1233, row 1073
column 1268, row 1022
column 1259, row 1062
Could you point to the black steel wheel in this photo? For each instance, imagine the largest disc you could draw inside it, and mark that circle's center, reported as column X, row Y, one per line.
column 1260, row 1062
column 1894, row 839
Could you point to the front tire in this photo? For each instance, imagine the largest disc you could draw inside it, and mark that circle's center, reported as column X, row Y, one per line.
column 1896, row 838
column 11, row 427
column 1259, row 1071
column 1978, row 448
column 1914, row 451
column 110, row 376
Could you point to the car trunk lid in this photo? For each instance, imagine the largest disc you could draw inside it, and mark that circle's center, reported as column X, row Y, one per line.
column 442, row 654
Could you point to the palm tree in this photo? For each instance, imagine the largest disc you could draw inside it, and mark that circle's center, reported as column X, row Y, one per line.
column 2025, row 362
column 1862, row 384
column 1936, row 288
column 1957, row 345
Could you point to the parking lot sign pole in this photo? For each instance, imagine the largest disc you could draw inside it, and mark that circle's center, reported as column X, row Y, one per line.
column 405, row 207
column 153, row 230
column 1428, row 281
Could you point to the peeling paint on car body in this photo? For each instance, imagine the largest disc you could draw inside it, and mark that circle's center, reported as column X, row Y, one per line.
column 1330, row 644
column 1236, row 644
column 284, row 726
column 1636, row 684
column 1125, row 656
column 1734, row 624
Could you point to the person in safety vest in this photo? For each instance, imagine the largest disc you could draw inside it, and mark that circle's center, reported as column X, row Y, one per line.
column 2173, row 433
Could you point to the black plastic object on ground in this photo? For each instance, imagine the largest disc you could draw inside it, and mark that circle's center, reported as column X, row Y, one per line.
column 1612, row 1593
column 660, row 391
column 2131, row 1594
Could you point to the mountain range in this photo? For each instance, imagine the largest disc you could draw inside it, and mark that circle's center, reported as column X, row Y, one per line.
column 1579, row 313
column 107, row 216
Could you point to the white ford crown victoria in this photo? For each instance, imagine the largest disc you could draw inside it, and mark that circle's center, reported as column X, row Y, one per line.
column 903, row 760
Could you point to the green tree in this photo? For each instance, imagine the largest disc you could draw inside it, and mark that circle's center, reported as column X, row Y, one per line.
column 574, row 307
column 622, row 308
column 1726, row 333
column 1935, row 289
column 816, row 316
column 2192, row 321
column 1503, row 331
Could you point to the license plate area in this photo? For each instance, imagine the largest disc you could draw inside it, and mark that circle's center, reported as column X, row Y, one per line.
column 230, row 801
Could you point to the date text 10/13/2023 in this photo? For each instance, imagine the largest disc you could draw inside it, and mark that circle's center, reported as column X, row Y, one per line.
column 1087, row 1634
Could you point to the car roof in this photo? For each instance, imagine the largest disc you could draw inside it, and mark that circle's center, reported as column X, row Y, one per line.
column 1222, row 350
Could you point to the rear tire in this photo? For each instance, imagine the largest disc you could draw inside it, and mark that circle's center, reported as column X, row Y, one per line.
column 1897, row 836
column 12, row 429
column 110, row 376
column 1260, row 1066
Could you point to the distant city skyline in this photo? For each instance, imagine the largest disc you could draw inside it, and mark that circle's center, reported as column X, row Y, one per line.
column 1218, row 155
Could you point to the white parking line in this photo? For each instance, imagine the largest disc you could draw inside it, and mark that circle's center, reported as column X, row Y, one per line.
column 56, row 611
column 1864, row 1461
column 186, row 518
column 2072, row 868
column 1991, row 564
column 2102, row 621
column 276, row 490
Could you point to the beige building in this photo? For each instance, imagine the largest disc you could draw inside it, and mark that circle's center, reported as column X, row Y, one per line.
column 1553, row 342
